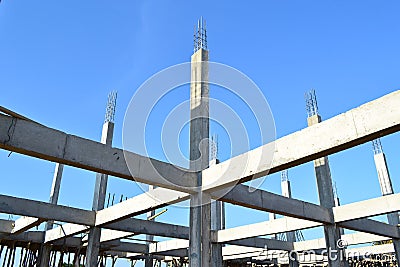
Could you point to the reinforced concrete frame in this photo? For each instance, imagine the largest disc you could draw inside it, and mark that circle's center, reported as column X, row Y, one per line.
column 205, row 242
column 367, row 119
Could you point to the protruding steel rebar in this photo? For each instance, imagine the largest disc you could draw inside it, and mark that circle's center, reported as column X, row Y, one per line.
column 200, row 35
column 284, row 176
column 311, row 103
column 111, row 104
column 214, row 147
column 377, row 146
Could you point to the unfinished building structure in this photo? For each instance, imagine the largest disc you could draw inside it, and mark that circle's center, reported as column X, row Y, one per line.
column 205, row 242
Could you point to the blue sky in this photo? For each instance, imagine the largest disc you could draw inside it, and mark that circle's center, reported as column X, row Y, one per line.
column 59, row 60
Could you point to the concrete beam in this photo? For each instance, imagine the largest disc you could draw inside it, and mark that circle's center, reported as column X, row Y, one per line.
column 111, row 235
column 127, row 247
column 25, row 223
column 372, row 227
column 357, row 126
column 27, row 137
column 64, row 231
column 36, row 237
column 276, row 226
column 160, row 197
column 232, row 252
column 140, row 204
column 138, row 226
column 266, row 201
column 168, row 245
column 263, row 243
column 121, row 229
column 46, row 211
column 367, row 208
column 350, row 239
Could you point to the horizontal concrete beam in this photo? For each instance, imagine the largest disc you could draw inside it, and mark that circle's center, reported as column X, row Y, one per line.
column 36, row 237
column 349, row 239
column 231, row 252
column 365, row 123
column 280, row 225
column 121, row 229
column 266, row 201
column 27, row 137
column 169, row 245
column 367, row 208
column 127, row 247
column 140, row 204
column 138, row 226
column 159, row 197
column 45, row 211
column 372, row 227
column 64, row 231
column 314, row 244
column 111, row 235
column 288, row 224
column 263, row 243
column 25, row 223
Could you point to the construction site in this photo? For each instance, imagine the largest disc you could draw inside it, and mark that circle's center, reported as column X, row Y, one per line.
column 105, row 235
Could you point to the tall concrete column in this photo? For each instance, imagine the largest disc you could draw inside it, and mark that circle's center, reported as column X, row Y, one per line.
column 200, row 211
column 385, row 183
column 290, row 236
column 326, row 198
column 92, row 251
column 44, row 255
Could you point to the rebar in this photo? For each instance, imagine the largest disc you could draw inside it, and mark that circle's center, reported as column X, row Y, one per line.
column 377, row 146
column 111, row 104
column 284, row 176
column 200, row 35
column 311, row 103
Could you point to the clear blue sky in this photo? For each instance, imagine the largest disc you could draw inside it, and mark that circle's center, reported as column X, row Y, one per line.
column 59, row 60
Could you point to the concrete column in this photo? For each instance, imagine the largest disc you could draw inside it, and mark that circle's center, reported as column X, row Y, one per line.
column 149, row 261
column 290, row 236
column 217, row 223
column 200, row 219
column 326, row 199
column 387, row 189
column 44, row 255
column 92, row 251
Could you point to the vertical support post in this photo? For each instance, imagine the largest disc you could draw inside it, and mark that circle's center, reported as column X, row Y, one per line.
column 200, row 217
column 217, row 210
column 92, row 251
column 44, row 252
column 326, row 198
column 290, row 236
column 217, row 223
column 386, row 188
column 149, row 261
